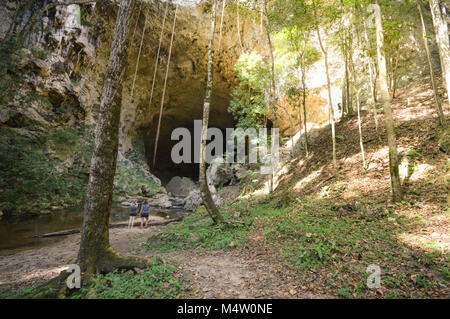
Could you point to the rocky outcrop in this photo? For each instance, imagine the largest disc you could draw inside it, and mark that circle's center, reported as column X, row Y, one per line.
column 193, row 200
column 180, row 186
column 219, row 173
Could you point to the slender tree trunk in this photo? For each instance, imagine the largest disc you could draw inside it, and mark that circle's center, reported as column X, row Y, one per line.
column 385, row 101
column 239, row 27
column 441, row 29
column 347, row 87
column 330, row 102
column 272, row 59
column 204, row 189
column 372, row 89
column 95, row 252
column 358, row 109
column 221, row 24
column 375, row 82
column 430, row 65
column 395, row 74
column 273, row 86
column 361, row 144
column 304, row 109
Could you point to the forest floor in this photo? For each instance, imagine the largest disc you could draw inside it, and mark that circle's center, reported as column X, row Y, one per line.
column 314, row 237
column 323, row 231
column 213, row 274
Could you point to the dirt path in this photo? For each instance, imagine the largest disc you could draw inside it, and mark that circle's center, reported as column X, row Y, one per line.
column 212, row 274
column 30, row 266
column 231, row 274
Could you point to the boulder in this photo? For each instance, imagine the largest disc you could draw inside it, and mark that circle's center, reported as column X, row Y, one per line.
column 240, row 172
column 4, row 114
column 160, row 201
column 193, row 200
column 219, row 173
column 180, row 186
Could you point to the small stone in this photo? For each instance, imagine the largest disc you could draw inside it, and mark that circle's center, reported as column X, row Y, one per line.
column 139, row 271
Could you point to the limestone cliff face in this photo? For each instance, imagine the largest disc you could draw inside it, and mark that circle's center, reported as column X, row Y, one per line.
column 186, row 78
column 67, row 56
column 60, row 76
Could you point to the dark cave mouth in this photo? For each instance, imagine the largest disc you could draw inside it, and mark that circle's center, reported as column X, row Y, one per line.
column 166, row 167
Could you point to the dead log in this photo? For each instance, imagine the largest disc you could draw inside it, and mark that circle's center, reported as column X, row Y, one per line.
column 115, row 225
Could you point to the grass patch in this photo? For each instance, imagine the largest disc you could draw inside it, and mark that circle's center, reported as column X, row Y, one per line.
column 159, row 280
column 334, row 241
column 327, row 238
column 198, row 231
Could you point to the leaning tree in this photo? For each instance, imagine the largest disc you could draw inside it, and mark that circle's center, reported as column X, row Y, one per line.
column 96, row 254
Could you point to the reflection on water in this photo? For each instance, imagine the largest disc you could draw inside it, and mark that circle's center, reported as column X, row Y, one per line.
column 16, row 234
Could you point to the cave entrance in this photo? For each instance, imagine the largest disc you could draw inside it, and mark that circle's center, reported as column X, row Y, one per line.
column 165, row 169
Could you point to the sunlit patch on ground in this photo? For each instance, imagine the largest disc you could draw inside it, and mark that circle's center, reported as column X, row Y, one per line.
column 301, row 183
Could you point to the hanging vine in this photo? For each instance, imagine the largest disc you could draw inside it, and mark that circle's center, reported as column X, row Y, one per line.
column 164, row 89
column 139, row 57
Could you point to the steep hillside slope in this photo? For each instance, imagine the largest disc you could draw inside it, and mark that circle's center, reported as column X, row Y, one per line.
column 328, row 229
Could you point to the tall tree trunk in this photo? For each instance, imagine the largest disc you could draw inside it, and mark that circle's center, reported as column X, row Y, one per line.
column 345, row 105
column 371, row 84
column 430, row 65
column 272, row 59
column 361, row 144
column 385, row 101
column 375, row 82
column 95, row 252
column 204, row 189
column 358, row 109
column 349, row 84
column 273, row 86
column 395, row 74
column 221, row 24
column 239, row 26
column 441, row 30
column 304, row 108
column 330, row 101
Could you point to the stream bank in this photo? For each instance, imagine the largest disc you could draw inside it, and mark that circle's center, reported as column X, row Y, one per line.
column 17, row 233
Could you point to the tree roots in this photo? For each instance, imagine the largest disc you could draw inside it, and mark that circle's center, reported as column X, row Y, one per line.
column 108, row 261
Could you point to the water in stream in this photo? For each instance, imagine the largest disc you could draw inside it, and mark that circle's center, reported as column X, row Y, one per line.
column 16, row 234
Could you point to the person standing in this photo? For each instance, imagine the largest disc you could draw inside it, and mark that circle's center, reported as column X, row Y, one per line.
column 144, row 214
column 133, row 213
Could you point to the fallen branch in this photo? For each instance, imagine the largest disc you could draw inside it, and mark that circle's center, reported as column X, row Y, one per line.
column 117, row 225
